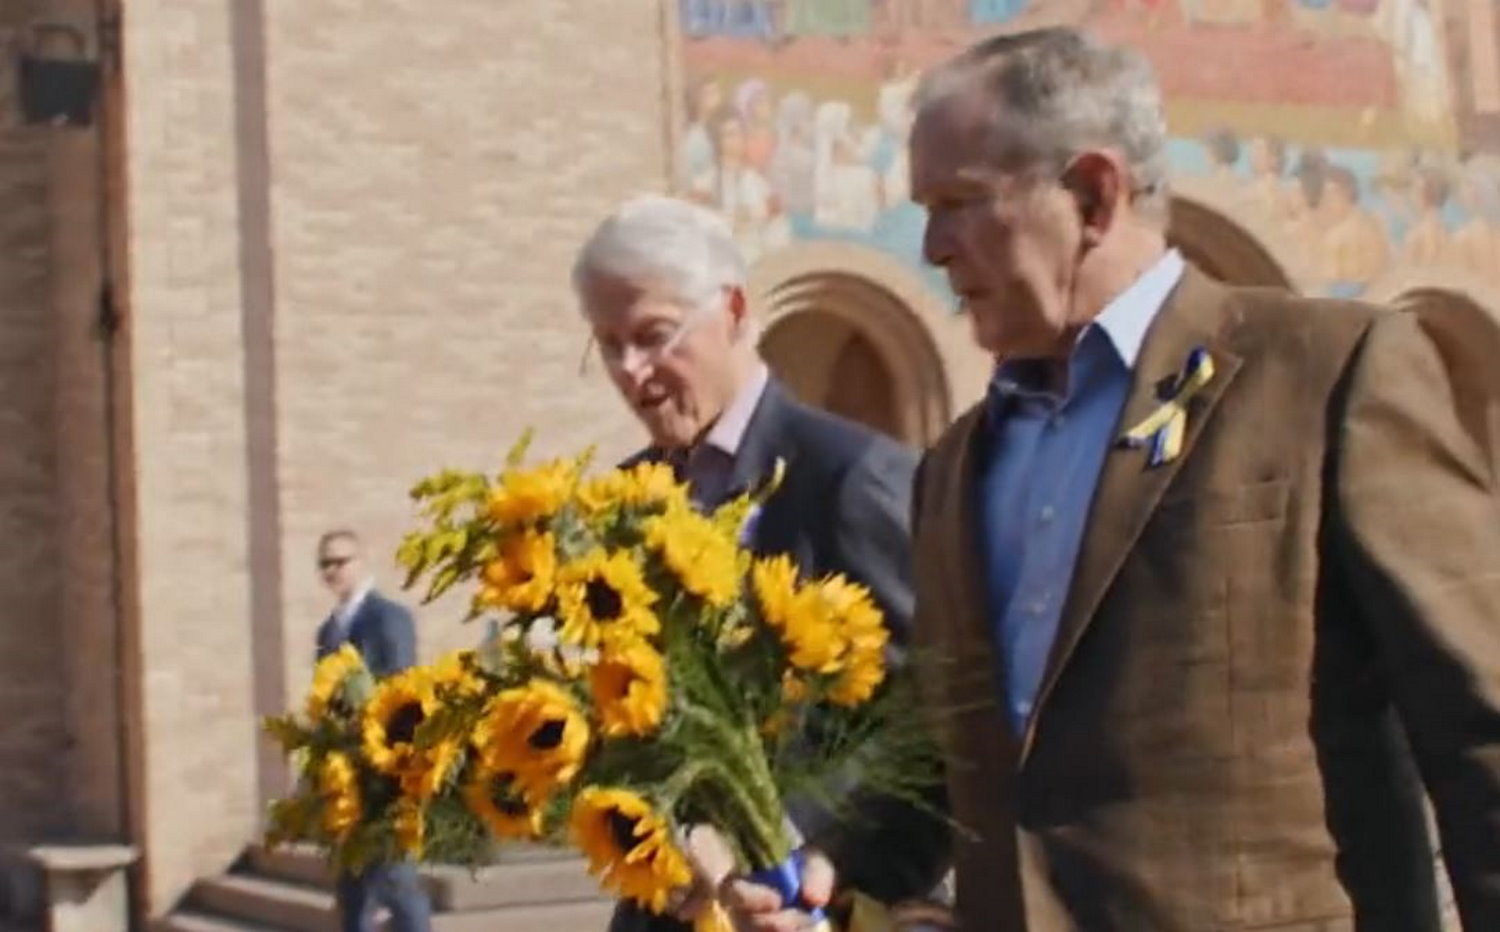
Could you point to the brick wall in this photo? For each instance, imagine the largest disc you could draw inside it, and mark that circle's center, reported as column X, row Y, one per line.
column 432, row 173
column 196, row 795
column 31, row 693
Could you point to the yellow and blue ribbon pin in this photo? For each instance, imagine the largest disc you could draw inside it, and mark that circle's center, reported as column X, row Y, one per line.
column 1164, row 428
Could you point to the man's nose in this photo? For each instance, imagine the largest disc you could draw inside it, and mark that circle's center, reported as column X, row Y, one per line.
column 937, row 246
column 633, row 368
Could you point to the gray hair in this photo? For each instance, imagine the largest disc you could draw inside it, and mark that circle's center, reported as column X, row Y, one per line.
column 1057, row 92
column 666, row 242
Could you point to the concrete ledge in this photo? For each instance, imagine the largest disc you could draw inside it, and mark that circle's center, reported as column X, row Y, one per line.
column 76, row 887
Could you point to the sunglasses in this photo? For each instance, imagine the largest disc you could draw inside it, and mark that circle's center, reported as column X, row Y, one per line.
column 328, row 563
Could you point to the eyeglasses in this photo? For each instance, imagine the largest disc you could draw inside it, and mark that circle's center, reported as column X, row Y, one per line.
column 652, row 346
column 328, row 563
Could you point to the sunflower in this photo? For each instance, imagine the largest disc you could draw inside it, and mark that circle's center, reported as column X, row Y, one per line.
column 774, row 581
column 603, row 598
column 629, row 846
column 427, row 771
column 864, row 635
column 338, row 785
column 536, row 732
column 630, row 690
column 456, row 674
column 644, row 485
column 703, row 559
column 812, row 636
column 526, row 496
column 329, row 677
column 400, row 705
column 496, row 799
column 521, row 577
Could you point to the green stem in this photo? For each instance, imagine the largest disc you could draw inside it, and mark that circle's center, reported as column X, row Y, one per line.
column 680, row 784
column 764, row 838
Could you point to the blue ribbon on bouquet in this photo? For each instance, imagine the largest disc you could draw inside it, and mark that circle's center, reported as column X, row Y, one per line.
column 786, row 879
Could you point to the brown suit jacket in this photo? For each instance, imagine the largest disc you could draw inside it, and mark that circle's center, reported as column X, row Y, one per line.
column 1218, row 741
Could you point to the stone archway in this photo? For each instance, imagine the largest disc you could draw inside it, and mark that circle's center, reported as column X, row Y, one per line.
column 827, row 361
column 845, row 344
column 851, row 331
column 1229, row 250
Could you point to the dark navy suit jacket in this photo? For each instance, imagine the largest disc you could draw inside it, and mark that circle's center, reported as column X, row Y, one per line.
column 381, row 630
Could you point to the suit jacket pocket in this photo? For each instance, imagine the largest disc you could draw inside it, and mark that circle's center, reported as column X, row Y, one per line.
column 1226, row 506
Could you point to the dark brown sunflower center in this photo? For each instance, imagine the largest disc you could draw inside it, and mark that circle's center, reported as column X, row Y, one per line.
column 403, row 723
column 603, row 600
column 622, row 829
column 503, row 794
column 549, row 736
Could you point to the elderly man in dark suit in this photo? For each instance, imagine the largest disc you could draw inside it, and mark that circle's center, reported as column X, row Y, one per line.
column 1215, row 565
column 383, row 633
column 662, row 287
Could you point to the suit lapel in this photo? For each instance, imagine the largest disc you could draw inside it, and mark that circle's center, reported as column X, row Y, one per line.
column 977, row 673
column 762, row 442
column 361, row 619
column 1129, row 488
column 326, row 641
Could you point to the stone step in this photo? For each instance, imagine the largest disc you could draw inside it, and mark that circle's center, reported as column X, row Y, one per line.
column 188, row 921
column 590, row 916
column 279, row 905
column 523, row 883
column 289, row 890
column 523, row 876
column 300, row 864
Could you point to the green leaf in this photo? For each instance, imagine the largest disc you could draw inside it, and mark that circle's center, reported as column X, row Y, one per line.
column 517, row 454
column 442, row 582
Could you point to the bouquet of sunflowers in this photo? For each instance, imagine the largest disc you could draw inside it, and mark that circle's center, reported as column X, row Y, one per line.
column 646, row 673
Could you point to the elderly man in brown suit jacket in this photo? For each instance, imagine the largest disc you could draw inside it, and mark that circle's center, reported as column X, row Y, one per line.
column 1210, row 569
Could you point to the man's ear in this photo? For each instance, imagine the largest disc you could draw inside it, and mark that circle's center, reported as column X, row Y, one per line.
column 1098, row 183
column 739, row 310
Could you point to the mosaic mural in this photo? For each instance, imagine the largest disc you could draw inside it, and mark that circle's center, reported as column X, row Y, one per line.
column 1351, row 130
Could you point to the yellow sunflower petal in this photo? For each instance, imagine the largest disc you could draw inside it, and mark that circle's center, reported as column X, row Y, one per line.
column 703, row 559
column 603, row 598
column 774, row 580
column 527, row 496
column 642, row 486
column 629, row 687
column 400, row 705
column 338, row 785
column 329, row 677
column 522, row 576
column 411, row 827
column 498, row 801
column 628, row 846
column 537, row 732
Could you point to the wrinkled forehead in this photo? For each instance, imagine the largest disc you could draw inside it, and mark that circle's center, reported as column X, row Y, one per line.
column 612, row 303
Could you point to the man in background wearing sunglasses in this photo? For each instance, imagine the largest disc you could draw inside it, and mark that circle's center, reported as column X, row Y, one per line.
column 662, row 287
column 383, row 633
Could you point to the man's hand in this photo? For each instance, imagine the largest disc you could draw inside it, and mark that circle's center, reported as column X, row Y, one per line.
column 755, row 908
column 712, row 861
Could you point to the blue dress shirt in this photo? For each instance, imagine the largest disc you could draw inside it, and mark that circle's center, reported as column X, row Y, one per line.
column 1044, row 455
